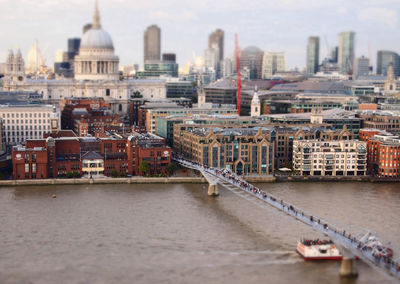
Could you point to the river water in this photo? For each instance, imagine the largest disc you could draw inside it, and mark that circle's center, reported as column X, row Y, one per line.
column 177, row 234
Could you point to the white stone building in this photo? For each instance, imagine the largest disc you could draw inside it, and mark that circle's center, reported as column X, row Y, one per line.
column 22, row 122
column 255, row 105
column 96, row 75
column 330, row 158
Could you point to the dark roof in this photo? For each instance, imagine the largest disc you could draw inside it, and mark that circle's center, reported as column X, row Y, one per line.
column 91, row 155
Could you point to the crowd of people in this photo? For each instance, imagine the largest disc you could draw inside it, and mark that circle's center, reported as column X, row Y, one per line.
column 232, row 178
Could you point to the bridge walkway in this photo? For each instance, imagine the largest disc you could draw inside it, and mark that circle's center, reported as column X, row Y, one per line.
column 356, row 245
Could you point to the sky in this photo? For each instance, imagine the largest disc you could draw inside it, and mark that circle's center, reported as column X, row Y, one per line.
column 271, row 25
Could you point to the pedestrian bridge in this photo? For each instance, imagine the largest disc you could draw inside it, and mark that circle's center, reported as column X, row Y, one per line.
column 350, row 245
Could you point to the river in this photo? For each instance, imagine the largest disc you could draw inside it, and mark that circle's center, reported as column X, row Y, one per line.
column 177, row 234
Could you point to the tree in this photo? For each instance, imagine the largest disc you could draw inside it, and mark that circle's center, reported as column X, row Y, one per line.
column 113, row 173
column 137, row 95
column 171, row 168
column 144, row 167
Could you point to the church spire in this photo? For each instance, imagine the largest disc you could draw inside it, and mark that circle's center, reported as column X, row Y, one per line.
column 96, row 17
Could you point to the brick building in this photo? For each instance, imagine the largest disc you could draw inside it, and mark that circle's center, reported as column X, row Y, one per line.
column 96, row 122
column 382, row 120
column 383, row 152
column 243, row 150
column 90, row 156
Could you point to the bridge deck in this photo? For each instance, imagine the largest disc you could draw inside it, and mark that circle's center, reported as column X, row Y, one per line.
column 339, row 236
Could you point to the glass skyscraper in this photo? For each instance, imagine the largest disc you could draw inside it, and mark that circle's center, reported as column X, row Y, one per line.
column 346, row 52
column 312, row 55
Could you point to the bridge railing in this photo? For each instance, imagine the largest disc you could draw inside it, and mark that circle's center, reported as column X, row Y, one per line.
column 340, row 236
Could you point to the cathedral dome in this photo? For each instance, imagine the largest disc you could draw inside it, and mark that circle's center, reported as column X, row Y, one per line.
column 97, row 38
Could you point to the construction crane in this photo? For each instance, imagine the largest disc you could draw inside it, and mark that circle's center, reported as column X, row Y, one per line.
column 239, row 77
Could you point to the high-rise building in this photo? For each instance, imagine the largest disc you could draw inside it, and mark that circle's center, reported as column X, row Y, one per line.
column 346, row 52
column 273, row 62
column 227, row 67
column 361, row 67
column 152, row 43
column 86, row 27
column 333, row 54
column 251, row 58
column 384, row 57
column 169, row 57
column 211, row 58
column 59, row 55
column 73, row 45
column 216, row 39
column 312, row 55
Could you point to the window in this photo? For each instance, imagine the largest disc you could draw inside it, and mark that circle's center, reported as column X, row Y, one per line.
column 26, row 168
column 33, row 168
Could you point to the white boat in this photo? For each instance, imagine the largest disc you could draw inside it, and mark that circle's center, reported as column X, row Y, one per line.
column 318, row 250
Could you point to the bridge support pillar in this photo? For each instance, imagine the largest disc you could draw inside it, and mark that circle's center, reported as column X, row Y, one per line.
column 212, row 190
column 348, row 267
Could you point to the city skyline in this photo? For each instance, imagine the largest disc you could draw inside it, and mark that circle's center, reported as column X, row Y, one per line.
column 272, row 27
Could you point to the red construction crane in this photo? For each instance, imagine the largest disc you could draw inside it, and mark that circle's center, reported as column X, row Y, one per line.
column 239, row 77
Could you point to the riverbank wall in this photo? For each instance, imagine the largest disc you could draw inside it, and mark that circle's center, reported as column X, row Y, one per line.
column 198, row 180
column 132, row 180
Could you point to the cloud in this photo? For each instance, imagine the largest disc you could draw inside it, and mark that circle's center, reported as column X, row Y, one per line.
column 173, row 16
column 381, row 16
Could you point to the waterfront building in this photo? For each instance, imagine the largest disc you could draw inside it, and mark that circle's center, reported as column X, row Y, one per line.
column 152, row 43
column 383, row 60
column 383, row 152
column 346, row 53
column 361, row 67
column 272, row 63
column 251, row 58
column 312, row 55
column 68, row 154
column 243, row 150
column 330, row 158
column 22, row 122
column 286, row 135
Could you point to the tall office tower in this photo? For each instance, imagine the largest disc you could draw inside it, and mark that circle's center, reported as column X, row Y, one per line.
column 169, row 57
column 211, row 58
column 152, row 43
column 73, row 45
column 346, row 52
column 86, row 27
column 273, row 62
column 216, row 39
column 361, row 67
column 227, row 67
column 251, row 58
column 333, row 54
column 59, row 55
column 312, row 55
column 384, row 57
